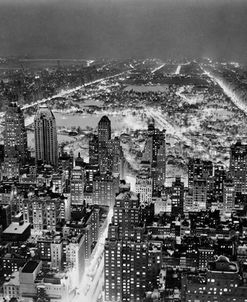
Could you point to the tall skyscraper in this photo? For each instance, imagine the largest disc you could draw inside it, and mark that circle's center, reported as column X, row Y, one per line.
column 144, row 185
column 105, row 187
column 219, row 177
column 46, row 146
column 15, row 139
column 238, row 166
column 105, row 151
column 228, row 196
column 198, row 169
column 200, row 195
column 104, row 129
column 161, row 164
column 104, row 136
column 94, row 150
column 126, row 254
column 177, row 196
column 77, row 184
column 155, row 153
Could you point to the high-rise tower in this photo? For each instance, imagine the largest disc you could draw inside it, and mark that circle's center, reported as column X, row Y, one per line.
column 238, row 166
column 15, row 139
column 104, row 136
column 104, row 129
column 46, row 147
column 126, row 253
column 155, row 153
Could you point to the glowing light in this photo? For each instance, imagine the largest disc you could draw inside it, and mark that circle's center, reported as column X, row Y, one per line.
column 93, row 276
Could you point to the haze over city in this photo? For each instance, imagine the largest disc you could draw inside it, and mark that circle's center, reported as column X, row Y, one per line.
column 124, row 28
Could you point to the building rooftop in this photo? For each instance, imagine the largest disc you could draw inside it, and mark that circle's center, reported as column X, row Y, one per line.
column 223, row 264
column 128, row 196
column 14, row 279
column 16, row 228
column 30, row 267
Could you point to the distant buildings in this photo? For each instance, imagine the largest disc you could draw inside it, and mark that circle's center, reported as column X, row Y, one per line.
column 163, row 243
column 46, row 146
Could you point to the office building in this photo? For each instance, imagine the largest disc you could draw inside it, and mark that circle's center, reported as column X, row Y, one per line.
column 197, row 170
column 46, row 145
column 27, row 278
column 11, row 288
column 104, row 129
column 155, row 153
column 5, row 215
column 126, row 254
column 77, row 184
column 93, row 150
column 177, row 196
column 229, row 194
column 105, row 187
column 144, row 185
column 17, row 231
column 238, row 166
column 43, row 211
column 15, row 140
column 75, row 256
column 221, row 282
column 200, row 195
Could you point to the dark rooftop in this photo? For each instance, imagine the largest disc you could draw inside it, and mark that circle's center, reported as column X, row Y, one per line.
column 30, row 267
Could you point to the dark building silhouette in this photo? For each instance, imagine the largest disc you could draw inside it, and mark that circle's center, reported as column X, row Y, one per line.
column 46, row 146
column 5, row 215
column 104, row 129
column 94, row 150
column 238, row 166
column 15, row 139
column 155, row 153
column 177, row 196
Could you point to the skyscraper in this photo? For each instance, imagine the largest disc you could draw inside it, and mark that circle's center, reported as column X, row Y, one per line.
column 177, row 196
column 144, row 185
column 126, row 254
column 155, row 153
column 104, row 129
column 94, row 150
column 105, row 187
column 77, row 183
column 15, row 139
column 238, row 166
column 198, row 169
column 104, row 136
column 46, row 146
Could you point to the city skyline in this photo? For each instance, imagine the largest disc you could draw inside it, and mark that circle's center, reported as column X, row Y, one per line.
column 123, row 151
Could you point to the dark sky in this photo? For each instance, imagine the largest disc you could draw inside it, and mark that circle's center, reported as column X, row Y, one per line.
column 124, row 28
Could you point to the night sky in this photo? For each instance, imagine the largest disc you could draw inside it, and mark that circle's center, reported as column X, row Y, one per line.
column 124, row 28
